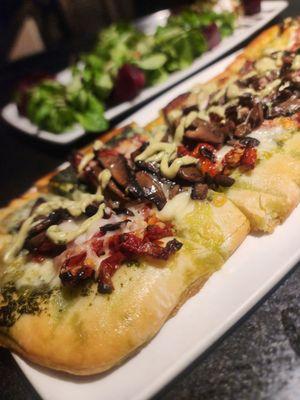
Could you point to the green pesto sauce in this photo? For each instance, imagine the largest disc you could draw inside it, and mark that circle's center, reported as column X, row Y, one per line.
column 199, row 226
column 14, row 304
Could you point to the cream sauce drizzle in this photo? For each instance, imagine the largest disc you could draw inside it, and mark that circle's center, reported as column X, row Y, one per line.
column 75, row 207
column 58, row 236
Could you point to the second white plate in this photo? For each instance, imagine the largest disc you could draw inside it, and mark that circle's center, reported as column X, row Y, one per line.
column 246, row 27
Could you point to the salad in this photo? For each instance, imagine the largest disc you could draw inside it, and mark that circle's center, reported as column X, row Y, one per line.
column 123, row 62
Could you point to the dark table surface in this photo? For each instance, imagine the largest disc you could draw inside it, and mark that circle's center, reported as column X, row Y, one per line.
column 258, row 359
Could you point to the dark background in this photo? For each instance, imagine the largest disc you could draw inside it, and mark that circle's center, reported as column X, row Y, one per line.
column 258, row 359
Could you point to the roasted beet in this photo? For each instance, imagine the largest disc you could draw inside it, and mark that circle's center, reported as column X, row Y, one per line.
column 129, row 82
column 251, row 6
column 212, row 35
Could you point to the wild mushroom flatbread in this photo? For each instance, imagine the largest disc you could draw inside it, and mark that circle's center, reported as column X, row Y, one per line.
column 97, row 256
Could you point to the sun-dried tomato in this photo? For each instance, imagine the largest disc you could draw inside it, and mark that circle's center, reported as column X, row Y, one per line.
column 233, row 158
column 97, row 244
column 249, row 158
column 134, row 246
column 107, row 269
column 156, row 232
column 206, row 153
column 74, row 270
column 114, row 242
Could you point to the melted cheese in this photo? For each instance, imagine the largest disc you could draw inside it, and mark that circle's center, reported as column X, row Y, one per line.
column 38, row 274
column 84, row 162
column 177, row 208
column 170, row 171
column 60, row 236
column 265, row 64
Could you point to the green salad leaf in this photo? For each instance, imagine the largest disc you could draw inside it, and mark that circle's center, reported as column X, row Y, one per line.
column 152, row 62
column 95, row 78
column 48, row 109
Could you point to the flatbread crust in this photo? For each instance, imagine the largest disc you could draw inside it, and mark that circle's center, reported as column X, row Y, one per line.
column 91, row 334
column 85, row 335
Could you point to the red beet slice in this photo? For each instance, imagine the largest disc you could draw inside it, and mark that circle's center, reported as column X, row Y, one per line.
column 251, row 6
column 212, row 35
column 130, row 81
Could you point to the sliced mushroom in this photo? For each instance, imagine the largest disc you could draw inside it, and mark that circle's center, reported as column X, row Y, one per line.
column 181, row 105
column 249, row 141
column 224, row 180
column 42, row 245
column 174, row 190
column 203, row 131
column 190, row 173
column 115, row 192
column 148, row 166
column 91, row 209
column 150, row 189
column 246, row 100
column 199, row 191
column 242, row 129
column 139, row 150
column 285, row 109
column 55, row 217
column 90, row 174
column 256, row 116
column 117, row 165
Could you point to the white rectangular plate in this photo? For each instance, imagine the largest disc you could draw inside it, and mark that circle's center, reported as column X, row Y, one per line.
column 258, row 264
column 246, row 27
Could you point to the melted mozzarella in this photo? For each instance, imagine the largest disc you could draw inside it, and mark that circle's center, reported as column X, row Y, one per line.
column 177, row 208
column 38, row 274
